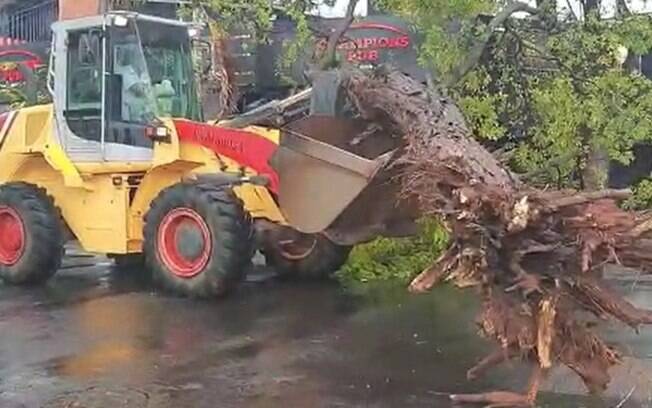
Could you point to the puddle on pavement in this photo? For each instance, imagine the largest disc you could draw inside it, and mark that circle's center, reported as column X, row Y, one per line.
column 268, row 345
column 98, row 397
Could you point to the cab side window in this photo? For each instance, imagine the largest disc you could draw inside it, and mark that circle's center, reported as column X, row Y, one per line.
column 85, row 75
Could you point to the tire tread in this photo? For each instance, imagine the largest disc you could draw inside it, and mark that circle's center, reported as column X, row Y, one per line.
column 232, row 251
column 44, row 227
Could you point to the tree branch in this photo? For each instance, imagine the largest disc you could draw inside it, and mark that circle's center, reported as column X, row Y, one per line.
column 586, row 197
column 622, row 8
column 571, row 12
column 590, row 6
column 478, row 49
column 329, row 59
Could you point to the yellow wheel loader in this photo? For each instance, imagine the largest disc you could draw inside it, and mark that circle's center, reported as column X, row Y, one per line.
column 121, row 162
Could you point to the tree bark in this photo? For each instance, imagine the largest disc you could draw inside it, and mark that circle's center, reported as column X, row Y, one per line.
column 548, row 10
column 535, row 257
column 596, row 160
column 329, row 59
column 596, row 168
column 591, row 6
column 622, row 8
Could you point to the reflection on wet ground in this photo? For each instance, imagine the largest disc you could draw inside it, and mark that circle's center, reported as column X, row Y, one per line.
column 98, row 338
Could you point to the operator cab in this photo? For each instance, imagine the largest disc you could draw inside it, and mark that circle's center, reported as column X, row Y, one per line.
column 116, row 76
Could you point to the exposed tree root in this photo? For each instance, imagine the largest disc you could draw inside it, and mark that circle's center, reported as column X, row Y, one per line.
column 496, row 358
column 536, row 257
column 435, row 273
column 504, row 399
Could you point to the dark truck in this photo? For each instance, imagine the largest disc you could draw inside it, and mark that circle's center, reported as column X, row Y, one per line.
column 369, row 41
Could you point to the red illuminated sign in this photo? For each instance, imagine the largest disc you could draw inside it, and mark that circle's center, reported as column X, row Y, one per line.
column 369, row 48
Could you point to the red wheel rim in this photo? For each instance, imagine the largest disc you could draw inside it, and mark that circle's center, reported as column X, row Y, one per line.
column 184, row 242
column 12, row 236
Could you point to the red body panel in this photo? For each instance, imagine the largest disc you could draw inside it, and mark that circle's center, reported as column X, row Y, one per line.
column 247, row 148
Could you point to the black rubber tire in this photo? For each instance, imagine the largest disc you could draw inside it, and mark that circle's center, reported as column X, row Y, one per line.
column 325, row 259
column 44, row 234
column 231, row 231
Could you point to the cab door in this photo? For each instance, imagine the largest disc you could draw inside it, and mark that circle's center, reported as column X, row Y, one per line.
column 86, row 89
column 128, row 101
column 78, row 91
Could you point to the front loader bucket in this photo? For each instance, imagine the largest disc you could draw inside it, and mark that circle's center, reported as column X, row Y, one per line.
column 319, row 180
column 331, row 180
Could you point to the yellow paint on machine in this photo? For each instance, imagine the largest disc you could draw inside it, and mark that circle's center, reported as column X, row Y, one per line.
column 104, row 203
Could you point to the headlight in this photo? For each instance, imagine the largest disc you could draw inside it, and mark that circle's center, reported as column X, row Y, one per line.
column 120, row 21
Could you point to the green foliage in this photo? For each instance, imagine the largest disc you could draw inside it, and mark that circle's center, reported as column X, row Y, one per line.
column 398, row 259
column 635, row 33
column 250, row 16
column 448, row 28
column 12, row 96
column 555, row 133
column 551, row 89
column 32, row 91
column 479, row 105
column 256, row 17
column 295, row 50
column 589, row 102
column 642, row 198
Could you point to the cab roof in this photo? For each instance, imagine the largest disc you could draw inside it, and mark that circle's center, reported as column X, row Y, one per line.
column 109, row 19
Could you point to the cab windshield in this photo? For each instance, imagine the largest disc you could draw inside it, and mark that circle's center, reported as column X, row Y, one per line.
column 154, row 63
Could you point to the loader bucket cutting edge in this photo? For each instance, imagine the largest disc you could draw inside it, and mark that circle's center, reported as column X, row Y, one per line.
column 319, row 180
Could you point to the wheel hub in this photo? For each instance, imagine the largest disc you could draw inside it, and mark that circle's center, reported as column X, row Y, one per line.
column 12, row 236
column 190, row 241
column 184, row 242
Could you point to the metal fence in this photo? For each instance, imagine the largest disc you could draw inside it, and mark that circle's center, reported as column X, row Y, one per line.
column 31, row 24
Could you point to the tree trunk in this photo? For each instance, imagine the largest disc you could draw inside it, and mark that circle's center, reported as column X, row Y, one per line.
column 622, row 8
column 476, row 51
column 595, row 167
column 548, row 11
column 329, row 59
column 535, row 257
column 591, row 6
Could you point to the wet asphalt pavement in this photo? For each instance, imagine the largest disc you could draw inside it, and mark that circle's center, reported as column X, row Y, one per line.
column 95, row 337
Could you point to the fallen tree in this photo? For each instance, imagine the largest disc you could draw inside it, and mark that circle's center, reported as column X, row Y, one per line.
column 536, row 257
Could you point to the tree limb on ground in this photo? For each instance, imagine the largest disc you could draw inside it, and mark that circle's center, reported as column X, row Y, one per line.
column 535, row 257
